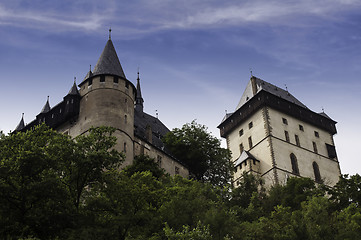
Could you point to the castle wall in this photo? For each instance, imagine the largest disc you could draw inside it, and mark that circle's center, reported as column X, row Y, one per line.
column 304, row 151
column 164, row 161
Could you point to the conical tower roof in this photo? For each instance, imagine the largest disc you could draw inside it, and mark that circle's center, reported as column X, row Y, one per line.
column 46, row 107
column 108, row 62
column 139, row 100
column 74, row 90
column 21, row 124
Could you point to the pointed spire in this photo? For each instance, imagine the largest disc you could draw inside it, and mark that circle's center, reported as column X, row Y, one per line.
column 21, row 124
column 110, row 33
column 108, row 62
column 46, row 107
column 89, row 74
column 139, row 100
column 74, row 89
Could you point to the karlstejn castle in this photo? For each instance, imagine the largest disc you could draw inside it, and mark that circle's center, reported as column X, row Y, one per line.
column 270, row 134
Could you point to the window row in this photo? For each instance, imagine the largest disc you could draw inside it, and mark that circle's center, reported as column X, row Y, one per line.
column 300, row 127
column 250, row 145
column 102, row 79
column 295, row 170
column 250, row 125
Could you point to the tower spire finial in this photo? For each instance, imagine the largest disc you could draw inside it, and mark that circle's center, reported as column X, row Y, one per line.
column 74, row 79
column 110, row 33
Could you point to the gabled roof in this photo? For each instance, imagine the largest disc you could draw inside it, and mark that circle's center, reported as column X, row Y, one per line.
column 108, row 62
column 256, row 85
column 244, row 156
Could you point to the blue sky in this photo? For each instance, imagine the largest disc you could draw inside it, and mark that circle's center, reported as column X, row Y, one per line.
column 194, row 56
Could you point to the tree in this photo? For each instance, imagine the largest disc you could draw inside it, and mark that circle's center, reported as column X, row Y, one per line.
column 347, row 191
column 45, row 176
column 33, row 200
column 201, row 152
column 144, row 163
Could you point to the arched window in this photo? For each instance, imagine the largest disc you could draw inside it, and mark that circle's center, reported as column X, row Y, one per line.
column 316, row 171
column 294, row 164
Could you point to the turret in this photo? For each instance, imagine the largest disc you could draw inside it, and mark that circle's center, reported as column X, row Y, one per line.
column 107, row 99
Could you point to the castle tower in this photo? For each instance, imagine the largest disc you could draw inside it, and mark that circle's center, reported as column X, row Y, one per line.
column 274, row 135
column 107, row 99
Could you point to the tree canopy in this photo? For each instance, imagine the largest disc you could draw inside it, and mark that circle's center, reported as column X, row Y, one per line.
column 55, row 187
column 201, row 152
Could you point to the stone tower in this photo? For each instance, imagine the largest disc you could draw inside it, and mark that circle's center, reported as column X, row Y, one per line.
column 275, row 136
column 107, row 98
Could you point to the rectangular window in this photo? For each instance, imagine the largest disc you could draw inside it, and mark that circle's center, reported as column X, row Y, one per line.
column 241, row 148
column 125, row 147
column 301, row 127
column 284, row 120
column 241, row 132
column 314, row 147
column 90, row 82
column 115, row 79
column 250, row 142
column 159, row 161
column 126, row 84
column 317, row 134
column 297, row 140
column 102, row 78
column 176, row 170
column 250, row 125
column 287, row 136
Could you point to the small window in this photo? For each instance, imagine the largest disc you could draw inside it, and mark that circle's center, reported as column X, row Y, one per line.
column 317, row 134
column 254, row 162
column 176, row 170
column 241, row 148
column 159, row 161
column 250, row 142
column 241, row 132
column 235, row 169
column 284, row 120
column 90, row 82
column 245, row 163
column 125, row 119
column 297, row 140
column 250, row 125
column 125, row 147
column 126, row 84
column 287, row 136
column 102, row 78
column 301, row 128
column 115, row 79
column 314, row 147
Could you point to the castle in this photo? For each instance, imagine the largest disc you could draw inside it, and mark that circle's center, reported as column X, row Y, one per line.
column 107, row 98
column 270, row 134
column 275, row 136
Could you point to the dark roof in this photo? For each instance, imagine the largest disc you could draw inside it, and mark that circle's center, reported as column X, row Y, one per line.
column 139, row 100
column 21, row 124
column 88, row 75
column 142, row 121
column 46, row 107
column 108, row 62
column 74, row 90
column 268, row 87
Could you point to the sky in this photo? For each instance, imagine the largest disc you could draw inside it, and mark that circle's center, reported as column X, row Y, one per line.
column 195, row 57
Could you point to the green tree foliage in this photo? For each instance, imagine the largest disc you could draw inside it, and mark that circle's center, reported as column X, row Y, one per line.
column 55, row 187
column 201, row 152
